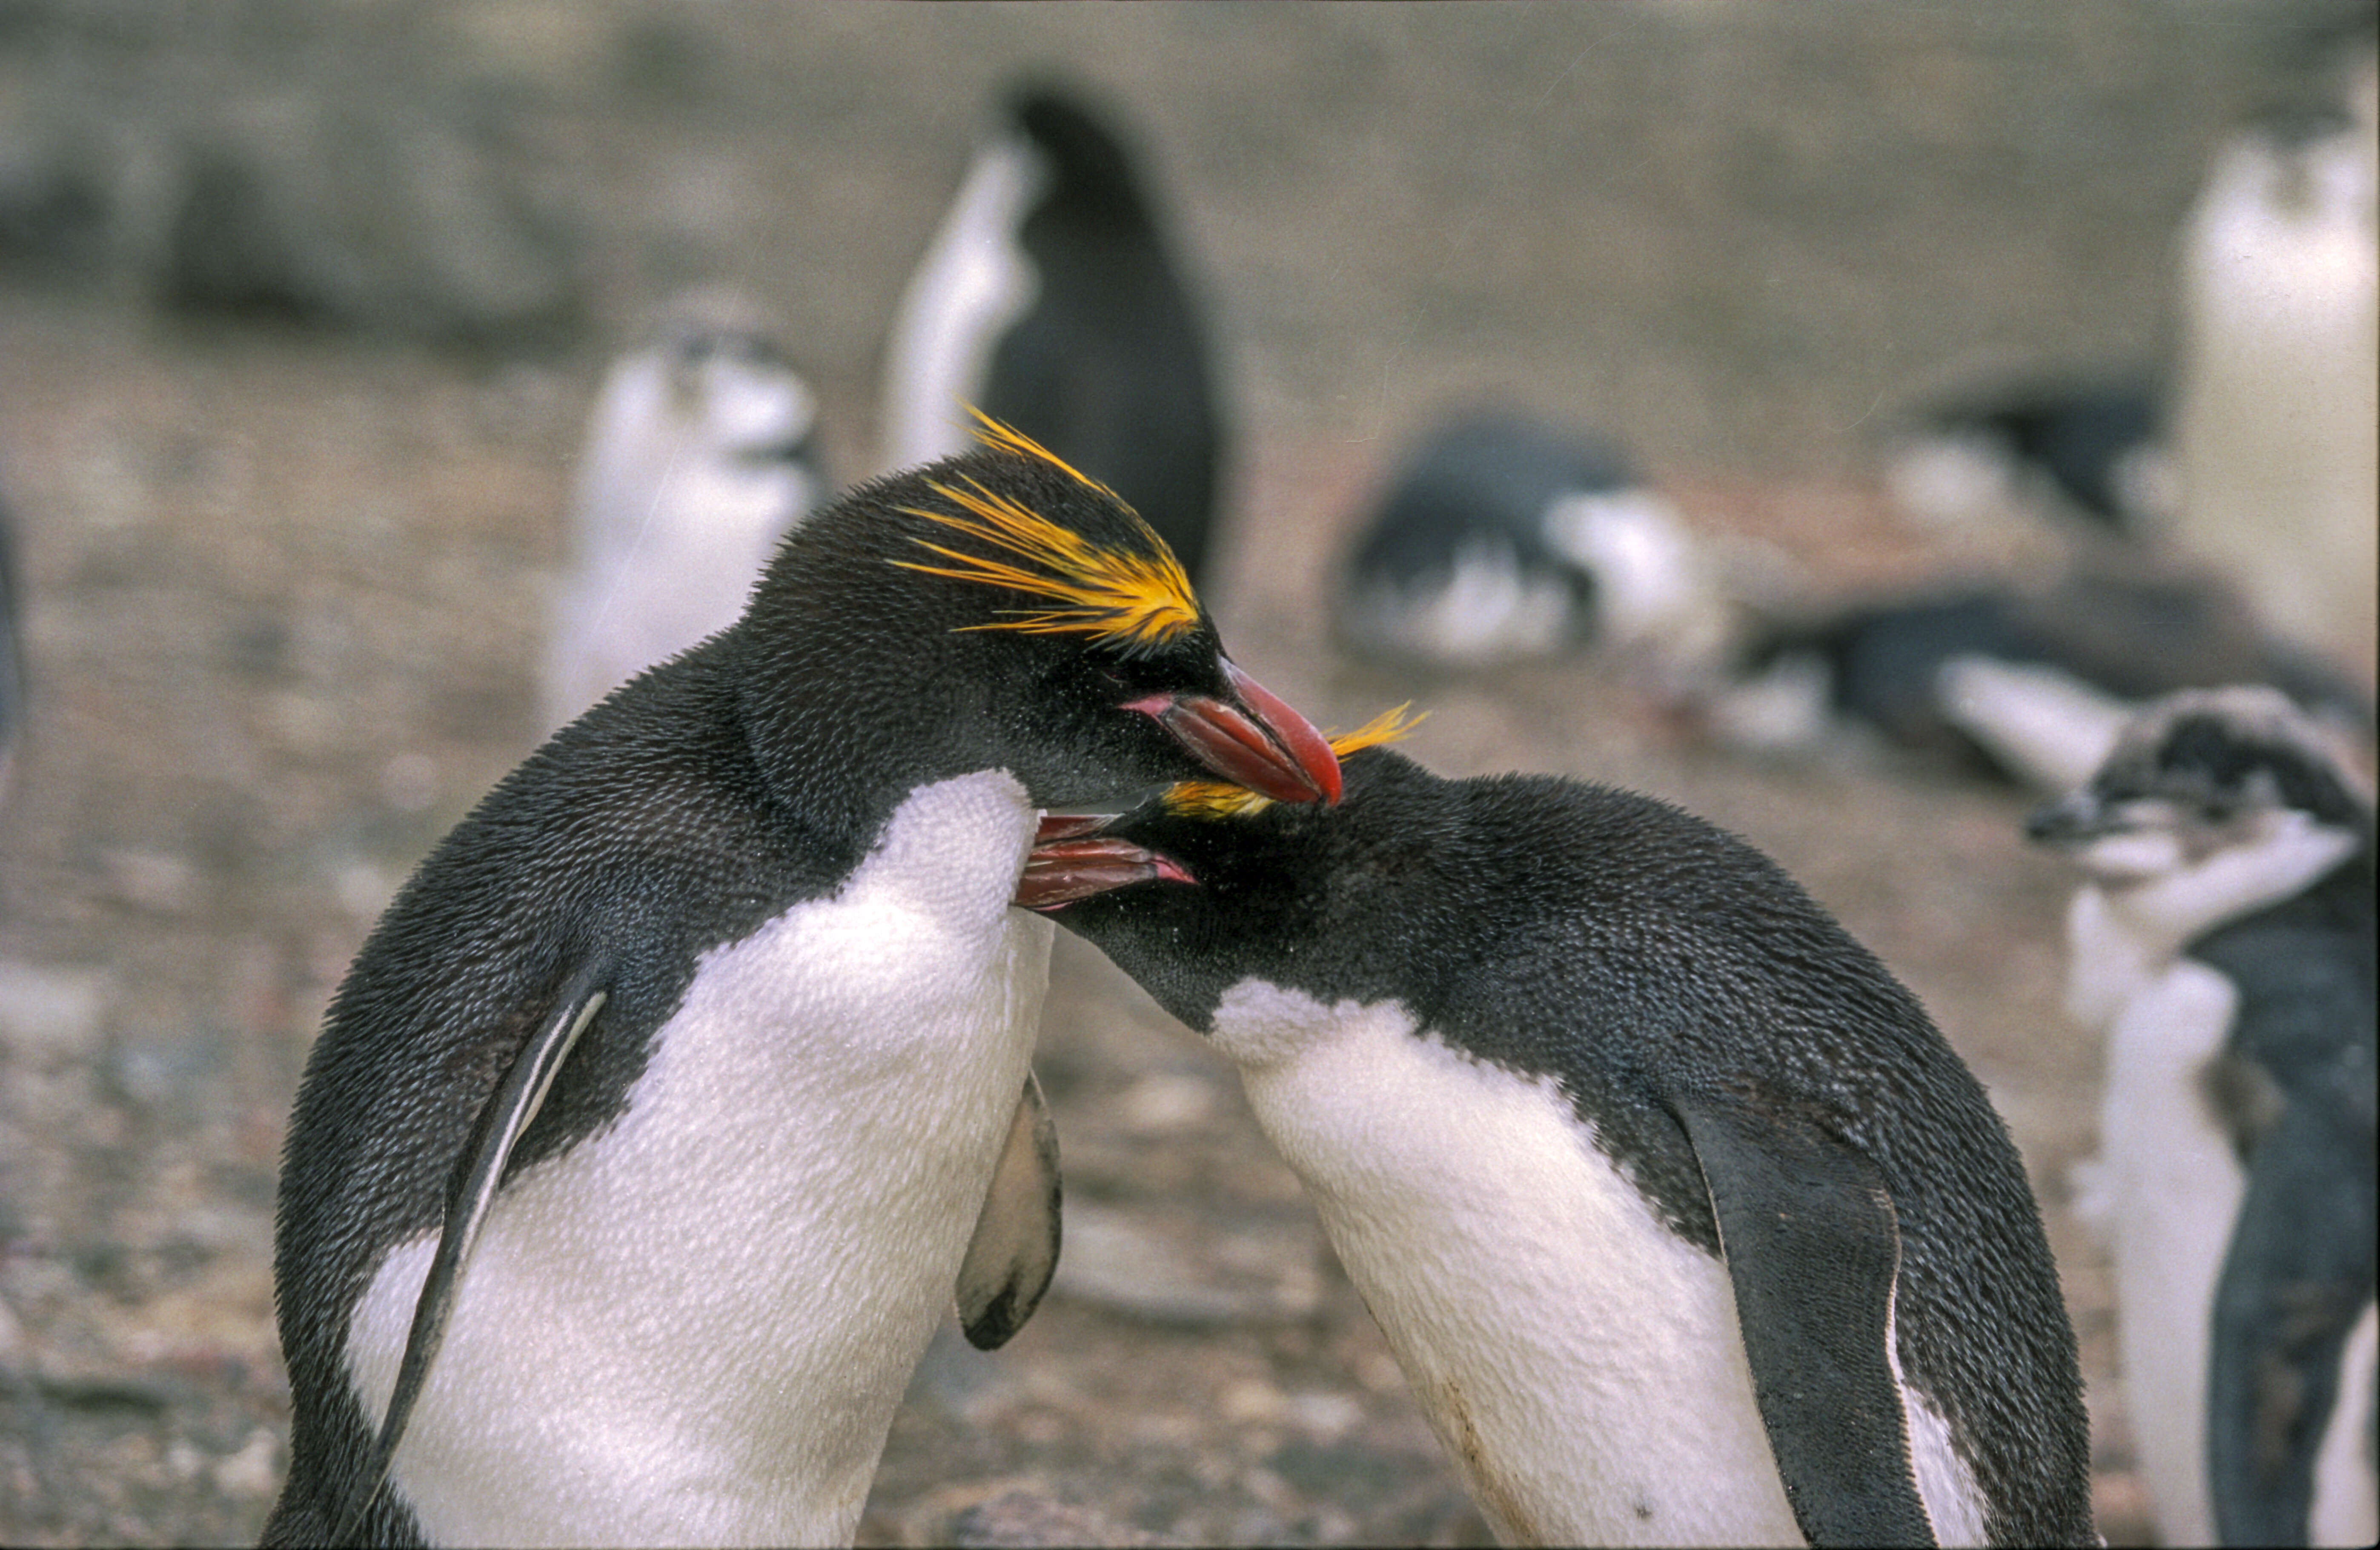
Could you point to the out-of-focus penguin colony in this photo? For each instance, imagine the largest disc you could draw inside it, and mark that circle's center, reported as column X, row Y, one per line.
column 1855, row 424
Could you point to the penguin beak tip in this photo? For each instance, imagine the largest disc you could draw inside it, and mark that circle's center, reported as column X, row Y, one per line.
column 1253, row 739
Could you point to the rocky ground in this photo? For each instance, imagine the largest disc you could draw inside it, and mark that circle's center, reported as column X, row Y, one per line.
column 284, row 587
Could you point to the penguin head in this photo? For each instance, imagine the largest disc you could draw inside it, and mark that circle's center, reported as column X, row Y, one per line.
column 1000, row 610
column 1083, row 162
column 2225, row 800
column 1242, row 887
column 728, row 385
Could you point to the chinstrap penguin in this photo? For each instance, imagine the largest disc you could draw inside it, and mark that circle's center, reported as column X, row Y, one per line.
column 1683, row 1221
column 657, row 1121
column 1502, row 538
column 2224, row 944
column 1054, row 297
column 702, row 452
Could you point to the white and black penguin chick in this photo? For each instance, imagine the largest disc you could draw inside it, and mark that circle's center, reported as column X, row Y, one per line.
column 2223, row 943
column 1685, row 1224
column 702, row 452
column 1502, row 538
column 657, row 1121
column 1054, row 298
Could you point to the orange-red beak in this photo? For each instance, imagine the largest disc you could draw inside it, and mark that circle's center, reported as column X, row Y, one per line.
column 1060, row 871
column 1253, row 739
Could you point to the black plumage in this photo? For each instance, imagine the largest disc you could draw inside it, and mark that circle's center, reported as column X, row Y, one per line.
column 1682, row 989
column 1479, row 491
column 2087, row 441
column 1110, row 368
column 2128, row 632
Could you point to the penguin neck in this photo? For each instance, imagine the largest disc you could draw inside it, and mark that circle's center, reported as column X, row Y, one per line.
column 840, row 741
column 2166, row 912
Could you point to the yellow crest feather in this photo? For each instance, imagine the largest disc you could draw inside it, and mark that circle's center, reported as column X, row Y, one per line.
column 1007, row 438
column 1221, row 799
column 1132, row 599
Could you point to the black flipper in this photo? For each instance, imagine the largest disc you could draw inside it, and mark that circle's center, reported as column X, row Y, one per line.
column 2300, row 1267
column 480, row 1169
column 1014, row 1249
column 2296, row 1276
column 1813, row 1245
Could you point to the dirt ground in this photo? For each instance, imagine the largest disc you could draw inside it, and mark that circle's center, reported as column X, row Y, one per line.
column 284, row 592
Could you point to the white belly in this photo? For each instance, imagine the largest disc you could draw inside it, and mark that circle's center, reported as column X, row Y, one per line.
column 1580, row 1362
column 2345, row 1507
column 682, row 576
column 2173, row 1191
column 694, row 1325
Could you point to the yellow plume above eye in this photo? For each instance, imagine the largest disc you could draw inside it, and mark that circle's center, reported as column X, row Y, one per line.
column 1131, row 599
column 1221, row 799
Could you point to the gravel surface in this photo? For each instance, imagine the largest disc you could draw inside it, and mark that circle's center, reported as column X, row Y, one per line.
column 285, row 586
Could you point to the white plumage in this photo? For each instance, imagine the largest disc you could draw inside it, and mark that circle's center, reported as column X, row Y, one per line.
column 972, row 283
column 2279, row 415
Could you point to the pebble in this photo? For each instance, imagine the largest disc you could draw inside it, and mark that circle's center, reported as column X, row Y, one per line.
column 254, row 1470
column 1018, row 1516
column 50, row 1012
column 1176, row 1273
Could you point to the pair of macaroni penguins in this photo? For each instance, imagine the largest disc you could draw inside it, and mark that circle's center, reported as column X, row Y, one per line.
column 686, row 1085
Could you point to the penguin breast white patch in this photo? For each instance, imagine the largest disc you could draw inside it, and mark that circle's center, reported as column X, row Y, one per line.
column 695, row 1324
column 1580, row 1362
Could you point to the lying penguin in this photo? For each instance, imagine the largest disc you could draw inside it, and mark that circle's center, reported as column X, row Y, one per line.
column 1684, row 1223
column 2223, row 943
column 2029, row 683
column 702, row 452
column 652, row 1128
column 2093, row 449
column 1055, row 295
column 1503, row 539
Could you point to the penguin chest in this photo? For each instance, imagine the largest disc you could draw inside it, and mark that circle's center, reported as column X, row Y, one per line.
column 711, row 523
column 693, row 1326
column 670, row 564
column 1579, row 1361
